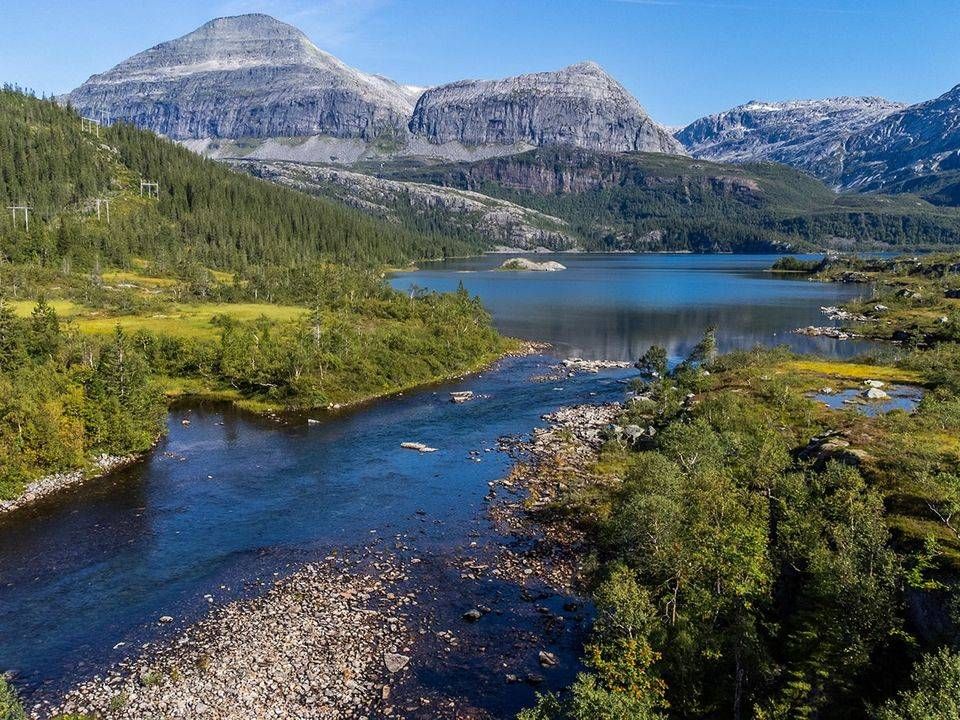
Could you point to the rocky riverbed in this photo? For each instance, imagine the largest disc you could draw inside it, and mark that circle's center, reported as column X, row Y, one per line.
column 556, row 457
column 396, row 627
column 327, row 642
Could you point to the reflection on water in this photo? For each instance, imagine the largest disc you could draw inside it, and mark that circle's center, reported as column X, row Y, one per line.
column 900, row 397
column 615, row 306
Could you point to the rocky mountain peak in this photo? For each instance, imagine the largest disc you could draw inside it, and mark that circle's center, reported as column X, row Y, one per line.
column 246, row 76
column 913, row 142
column 806, row 134
column 262, row 82
column 579, row 105
column 249, row 25
column 230, row 43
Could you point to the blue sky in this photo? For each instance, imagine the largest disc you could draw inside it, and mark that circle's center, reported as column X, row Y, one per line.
column 681, row 58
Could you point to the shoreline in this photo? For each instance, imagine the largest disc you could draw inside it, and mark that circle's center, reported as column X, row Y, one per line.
column 329, row 641
column 55, row 483
column 556, row 456
column 517, row 348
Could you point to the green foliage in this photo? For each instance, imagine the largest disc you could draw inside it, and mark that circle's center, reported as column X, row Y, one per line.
column 43, row 331
column 705, row 351
column 205, row 212
column 620, row 682
column 832, row 527
column 653, row 362
column 789, row 263
column 935, row 694
column 10, row 707
column 776, row 587
column 66, row 399
column 124, row 410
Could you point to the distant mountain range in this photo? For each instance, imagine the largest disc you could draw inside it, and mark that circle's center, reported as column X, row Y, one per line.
column 256, row 87
column 809, row 135
column 548, row 160
column 863, row 144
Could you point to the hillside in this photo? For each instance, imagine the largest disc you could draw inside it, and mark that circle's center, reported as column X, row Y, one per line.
column 204, row 210
column 223, row 286
column 486, row 221
column 653, row 201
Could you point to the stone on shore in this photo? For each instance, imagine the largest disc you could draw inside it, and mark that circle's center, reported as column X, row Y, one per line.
column 310, row 648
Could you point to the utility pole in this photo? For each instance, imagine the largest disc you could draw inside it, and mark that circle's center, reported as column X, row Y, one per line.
column 14, row 209
column 152, row 188
column 106, row 205
column 90, row 125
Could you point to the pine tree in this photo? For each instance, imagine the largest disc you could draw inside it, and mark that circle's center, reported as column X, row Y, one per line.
column 43, row 331
column 11, row 337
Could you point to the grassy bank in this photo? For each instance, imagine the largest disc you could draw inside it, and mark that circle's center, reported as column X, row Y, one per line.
column 915, row 300
column 88, row 368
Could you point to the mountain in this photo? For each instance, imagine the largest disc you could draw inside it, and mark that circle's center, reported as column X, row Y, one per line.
column 246, row 77
column 861, row 144
column 580, row 106
column 806, row 134
column 485, row 221
column 912, row 149
column 563, row 196
column 254, row 87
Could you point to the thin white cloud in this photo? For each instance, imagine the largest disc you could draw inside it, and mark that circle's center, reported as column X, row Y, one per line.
column 329, row 23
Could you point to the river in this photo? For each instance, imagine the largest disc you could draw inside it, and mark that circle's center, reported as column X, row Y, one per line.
column 230, row 498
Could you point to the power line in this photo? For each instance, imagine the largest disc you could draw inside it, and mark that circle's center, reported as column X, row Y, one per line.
column 90, row 125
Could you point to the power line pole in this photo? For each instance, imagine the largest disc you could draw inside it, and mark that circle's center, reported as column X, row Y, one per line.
column 14, row 209
column 152, row 188
column 90, row 125
column 106, row 205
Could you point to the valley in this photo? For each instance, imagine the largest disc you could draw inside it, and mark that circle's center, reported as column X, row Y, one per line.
column 326, row 395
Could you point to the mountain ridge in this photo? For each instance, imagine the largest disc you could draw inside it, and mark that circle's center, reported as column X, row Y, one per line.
column 863, row 144
column 252, row 80
column 805, row 134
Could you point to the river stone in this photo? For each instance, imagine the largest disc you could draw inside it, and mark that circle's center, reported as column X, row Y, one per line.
column 548, row 659
column 395, row 662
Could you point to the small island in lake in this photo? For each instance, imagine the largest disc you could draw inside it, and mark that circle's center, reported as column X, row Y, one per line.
column 525, row 264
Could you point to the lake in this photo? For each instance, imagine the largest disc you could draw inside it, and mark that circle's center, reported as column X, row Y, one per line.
column 232, row 498
column 615, row 306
